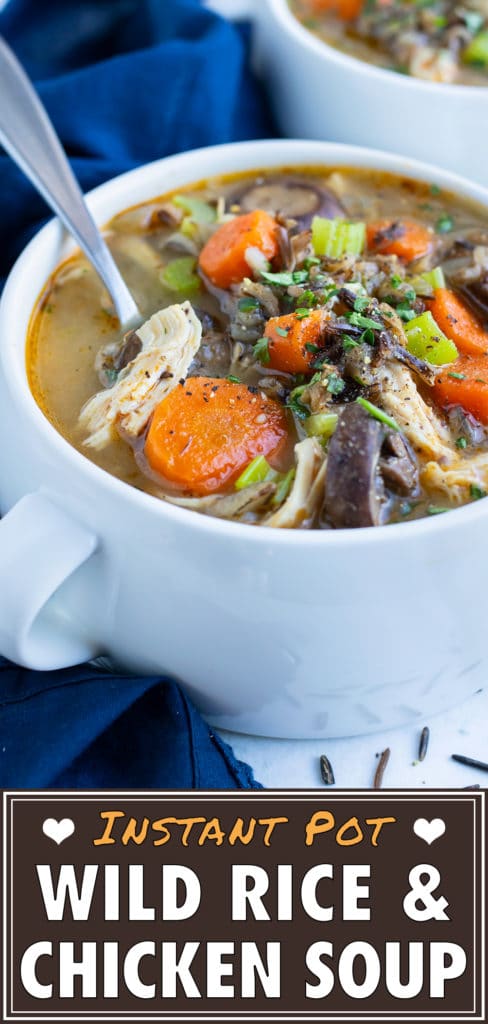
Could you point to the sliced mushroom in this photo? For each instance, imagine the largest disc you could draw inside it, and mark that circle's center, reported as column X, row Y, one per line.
column 295, row 198
column 365, row 463
column 169, row 341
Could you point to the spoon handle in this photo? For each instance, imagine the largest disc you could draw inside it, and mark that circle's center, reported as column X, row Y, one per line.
column 30, row 139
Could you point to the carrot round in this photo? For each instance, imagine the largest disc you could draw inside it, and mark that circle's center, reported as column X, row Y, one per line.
column 288, row 337
column 458, row 322
column 465, row 383
column 406, row 239
column 223, row 258
column 207, row 430
column 347, row 10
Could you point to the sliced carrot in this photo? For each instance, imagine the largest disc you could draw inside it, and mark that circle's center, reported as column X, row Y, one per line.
column 347, row 10
column 458, row 322
column 207, row 430
column 288, row 338
column 406, row 239
column 224, row 258
column 465, row 383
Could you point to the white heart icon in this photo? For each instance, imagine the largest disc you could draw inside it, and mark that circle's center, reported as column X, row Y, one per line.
column 429, row 831
column 58, row 831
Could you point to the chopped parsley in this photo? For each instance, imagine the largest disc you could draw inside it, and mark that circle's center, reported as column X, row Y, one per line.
column 301, row 313
column 378, row 414
column 461, row 442
column 307, row 298
column 247, row 304
column 335, row 384
column 233, row 379
column 261, row 351
column 395, row 280
column 435, row 190
column 282, row 331
column 361, row 303
column 296, row 406
column 436, row 510
column 477, row 492
column 457, row 376
column 286, row 277
column 444, row 224
column 348, row 343
column 358, row 320
column 310, row 347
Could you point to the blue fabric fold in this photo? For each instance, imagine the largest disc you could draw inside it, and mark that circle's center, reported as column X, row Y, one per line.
column 125, row 82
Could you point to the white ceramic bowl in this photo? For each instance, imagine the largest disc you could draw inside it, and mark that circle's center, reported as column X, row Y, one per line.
column 320, row 92
column 284, row 633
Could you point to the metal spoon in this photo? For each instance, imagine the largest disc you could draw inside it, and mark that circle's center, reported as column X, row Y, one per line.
column 30, row 139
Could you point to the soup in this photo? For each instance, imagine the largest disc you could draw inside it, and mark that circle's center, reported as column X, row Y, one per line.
column 315, row 353
column 436, row 40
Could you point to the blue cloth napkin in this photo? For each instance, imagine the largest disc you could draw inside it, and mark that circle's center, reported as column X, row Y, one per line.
column 125, row 82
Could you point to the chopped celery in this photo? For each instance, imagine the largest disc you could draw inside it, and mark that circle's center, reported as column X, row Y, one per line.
column 179, row 275
column 283, row 482
column 435, row 278
column 337, row 237
column 254, row 473
column 197, row 209
column 426, row 341
column 476, row 52
column 378, row 414
column 321, row 424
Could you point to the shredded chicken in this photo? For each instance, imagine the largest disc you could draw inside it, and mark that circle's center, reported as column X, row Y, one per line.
column 170, row 340
column 305, row 498
column 455, row 482
column 420, row 424
column 229, row 506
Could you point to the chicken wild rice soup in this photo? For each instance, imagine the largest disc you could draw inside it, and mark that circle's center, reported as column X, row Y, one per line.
column 315, row 353
column 436, row 40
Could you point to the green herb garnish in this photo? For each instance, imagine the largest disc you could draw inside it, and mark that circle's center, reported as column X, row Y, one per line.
column 457, row 376
column 358, row 320
column 261, row 351
column 282, row 331
column 233, row 379
column 301, row 313
column 285, row 277
column 296, row 406
column 436, row 510
column 378, row 414
column 461, row 442
column 348, row 343
column 247, row 304
column 335, row 384
column 477, row 492
column 444, row 224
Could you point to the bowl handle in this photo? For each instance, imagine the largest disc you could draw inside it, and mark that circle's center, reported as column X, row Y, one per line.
column 41, row 546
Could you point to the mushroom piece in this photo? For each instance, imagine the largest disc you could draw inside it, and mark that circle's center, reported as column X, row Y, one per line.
column 294, row 198
column 169, row 340
column 367, row 464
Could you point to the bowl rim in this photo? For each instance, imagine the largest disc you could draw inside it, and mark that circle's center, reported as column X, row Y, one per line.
column 284, row 152
column 308, row 38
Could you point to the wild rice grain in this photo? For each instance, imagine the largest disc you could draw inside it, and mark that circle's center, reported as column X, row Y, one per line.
column 326, row 771
column 424, row 742
column 380, row 771
column 470, row 761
